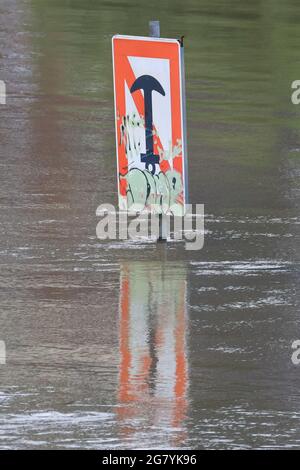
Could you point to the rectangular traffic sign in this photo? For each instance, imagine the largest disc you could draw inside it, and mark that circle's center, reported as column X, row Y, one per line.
column 150, row 124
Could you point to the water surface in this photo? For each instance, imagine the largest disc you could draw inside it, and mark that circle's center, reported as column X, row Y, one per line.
column 129, row 344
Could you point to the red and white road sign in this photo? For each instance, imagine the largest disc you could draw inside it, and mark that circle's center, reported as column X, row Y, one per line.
column 150, row 124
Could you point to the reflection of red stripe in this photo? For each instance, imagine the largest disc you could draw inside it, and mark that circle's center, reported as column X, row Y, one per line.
column 124, row 394
column 181, row 361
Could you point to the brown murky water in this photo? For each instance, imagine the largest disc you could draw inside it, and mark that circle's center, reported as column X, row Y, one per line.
column 133, row 345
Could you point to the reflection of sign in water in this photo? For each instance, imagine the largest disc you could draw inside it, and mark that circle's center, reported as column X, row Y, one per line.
column 150, row 135
column 153, row 376
column 2, row 352
column 2, row 92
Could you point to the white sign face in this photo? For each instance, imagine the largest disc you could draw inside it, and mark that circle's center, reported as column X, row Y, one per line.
column 150, row 134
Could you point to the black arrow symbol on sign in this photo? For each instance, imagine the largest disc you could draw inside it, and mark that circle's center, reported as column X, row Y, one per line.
column 148, row 84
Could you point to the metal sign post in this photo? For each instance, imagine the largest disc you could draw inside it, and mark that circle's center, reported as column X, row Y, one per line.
column 150, row 125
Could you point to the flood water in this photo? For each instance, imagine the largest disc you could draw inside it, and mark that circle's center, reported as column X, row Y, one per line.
column 132, row 344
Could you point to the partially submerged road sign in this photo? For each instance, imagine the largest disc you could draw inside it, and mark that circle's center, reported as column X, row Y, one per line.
column 150, row 124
